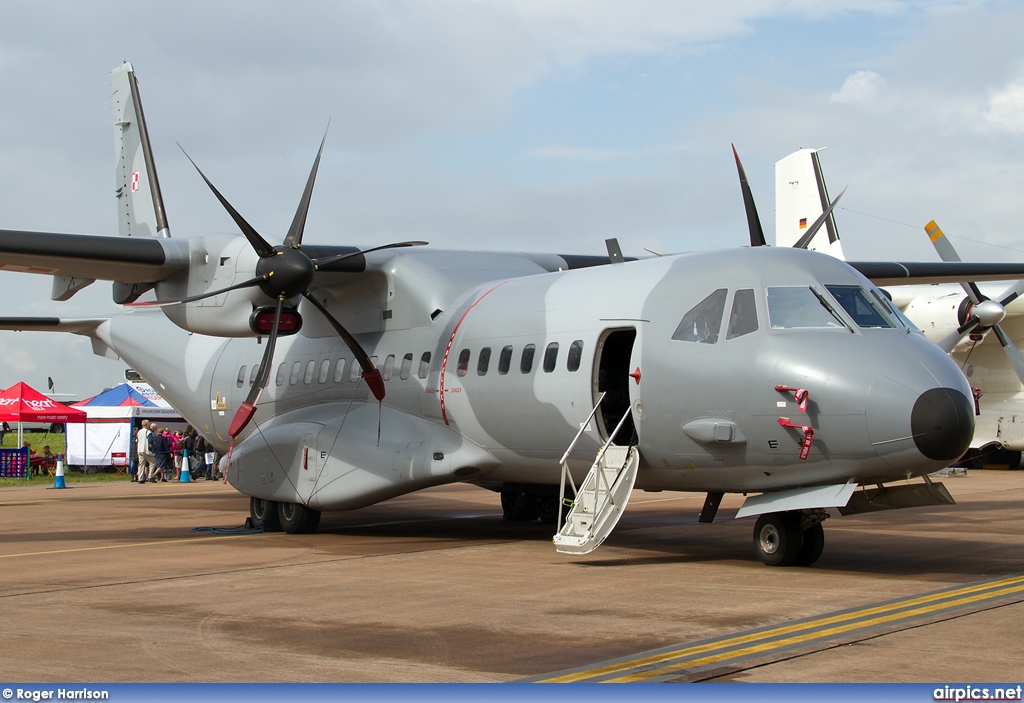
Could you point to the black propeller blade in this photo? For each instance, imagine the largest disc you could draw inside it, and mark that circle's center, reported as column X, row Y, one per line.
column 371, row 374
column 194, row 298
column 258, row 243
column 294, row 237
column 813, row 229
column 248, row 408
column 753, row 221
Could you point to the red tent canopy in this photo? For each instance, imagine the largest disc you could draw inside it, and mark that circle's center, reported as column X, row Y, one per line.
column 22, row 403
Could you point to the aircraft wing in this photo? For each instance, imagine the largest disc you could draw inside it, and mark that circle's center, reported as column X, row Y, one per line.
column 888, row 273
column 127, row 259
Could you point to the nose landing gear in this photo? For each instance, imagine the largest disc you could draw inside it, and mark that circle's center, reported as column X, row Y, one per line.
column 793, row 538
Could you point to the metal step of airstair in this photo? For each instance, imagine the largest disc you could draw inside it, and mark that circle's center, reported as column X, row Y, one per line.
column 601, row 497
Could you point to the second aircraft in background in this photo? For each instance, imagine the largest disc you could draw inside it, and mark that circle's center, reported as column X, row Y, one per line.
column 958, row 318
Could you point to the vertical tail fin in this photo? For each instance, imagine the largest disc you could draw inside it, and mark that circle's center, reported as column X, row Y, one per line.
column 800, row 199
column 140, row 206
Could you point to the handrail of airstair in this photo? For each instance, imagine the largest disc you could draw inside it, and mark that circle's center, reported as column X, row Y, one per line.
column 583, row 428
column 600, row 455
column 565, row 458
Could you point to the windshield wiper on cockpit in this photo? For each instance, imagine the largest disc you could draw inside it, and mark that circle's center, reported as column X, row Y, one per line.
column 825, row 304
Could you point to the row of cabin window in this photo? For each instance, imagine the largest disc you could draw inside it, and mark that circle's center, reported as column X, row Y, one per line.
column 405, row 369
column 355, row 370
column 549, row 362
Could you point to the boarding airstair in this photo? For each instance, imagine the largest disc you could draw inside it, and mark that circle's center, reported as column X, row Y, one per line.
column 601, row 498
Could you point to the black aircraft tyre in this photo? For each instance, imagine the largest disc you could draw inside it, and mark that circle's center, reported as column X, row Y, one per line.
column 297, row 519
column 518, row 506
column 777, row 538
column 263, row 513
column 547, row 508
column 813, row 544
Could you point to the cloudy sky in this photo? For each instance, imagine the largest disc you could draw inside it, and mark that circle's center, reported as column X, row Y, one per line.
column 526, row 124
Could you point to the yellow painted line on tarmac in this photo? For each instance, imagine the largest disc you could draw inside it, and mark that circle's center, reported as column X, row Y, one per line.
column 670, row 663
column 120, row 546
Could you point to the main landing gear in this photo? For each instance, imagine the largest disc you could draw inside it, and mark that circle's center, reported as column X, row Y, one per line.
column 523, row 503
column 272, row 516
column 793, row 538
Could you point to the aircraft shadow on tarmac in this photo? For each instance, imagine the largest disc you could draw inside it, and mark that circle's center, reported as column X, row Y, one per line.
column 925, row 542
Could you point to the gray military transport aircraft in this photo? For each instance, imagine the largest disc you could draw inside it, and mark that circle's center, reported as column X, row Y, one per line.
column 779, row 373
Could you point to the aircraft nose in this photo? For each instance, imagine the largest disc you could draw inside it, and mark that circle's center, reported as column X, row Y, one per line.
column 942, row 423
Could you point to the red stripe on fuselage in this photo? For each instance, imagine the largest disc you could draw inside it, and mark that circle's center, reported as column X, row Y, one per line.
column 451, row 340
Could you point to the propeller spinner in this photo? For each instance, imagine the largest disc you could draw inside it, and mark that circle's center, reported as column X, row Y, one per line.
column 981, row 314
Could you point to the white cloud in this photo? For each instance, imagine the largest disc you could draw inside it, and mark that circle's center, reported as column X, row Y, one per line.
column 1006, row 108
column 864, row 88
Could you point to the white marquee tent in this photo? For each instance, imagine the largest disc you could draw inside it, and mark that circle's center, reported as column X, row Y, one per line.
column 104, row 439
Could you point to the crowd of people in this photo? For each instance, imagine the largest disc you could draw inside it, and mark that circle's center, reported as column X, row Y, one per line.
column 161, row 455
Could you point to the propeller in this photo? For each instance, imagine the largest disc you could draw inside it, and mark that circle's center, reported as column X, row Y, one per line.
column 284, row 272
column 978, row 314
column 754, row 222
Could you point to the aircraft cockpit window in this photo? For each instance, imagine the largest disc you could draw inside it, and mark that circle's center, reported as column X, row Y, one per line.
column 859, row 306
column 526, row 361
column 794, row 307
column 463, row 365
column 424, row 365
column 743, row 318
column 505, row 359
column 339, row 371
column 550, row 357
column 702, row 323
column 241, row 377
column 886, row 304
column 483, row 361
column 572, row 362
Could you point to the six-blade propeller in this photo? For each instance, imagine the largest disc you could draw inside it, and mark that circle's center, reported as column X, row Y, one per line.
column 285, row 272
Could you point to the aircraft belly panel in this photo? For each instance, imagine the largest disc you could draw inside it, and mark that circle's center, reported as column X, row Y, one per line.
column 328, row 456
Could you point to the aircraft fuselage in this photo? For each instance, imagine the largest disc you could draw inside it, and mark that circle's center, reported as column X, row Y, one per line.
column 496, row 385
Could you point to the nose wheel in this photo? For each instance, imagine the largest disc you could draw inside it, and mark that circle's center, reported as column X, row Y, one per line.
column 780, row 541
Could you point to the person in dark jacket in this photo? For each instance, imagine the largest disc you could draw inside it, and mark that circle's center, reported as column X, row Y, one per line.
column 161, row 448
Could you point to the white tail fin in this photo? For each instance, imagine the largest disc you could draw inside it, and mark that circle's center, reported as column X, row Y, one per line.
column 800, row 199
column 140, row 206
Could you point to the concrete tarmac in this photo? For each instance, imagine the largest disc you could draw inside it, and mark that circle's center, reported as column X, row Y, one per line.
column 108, row 583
